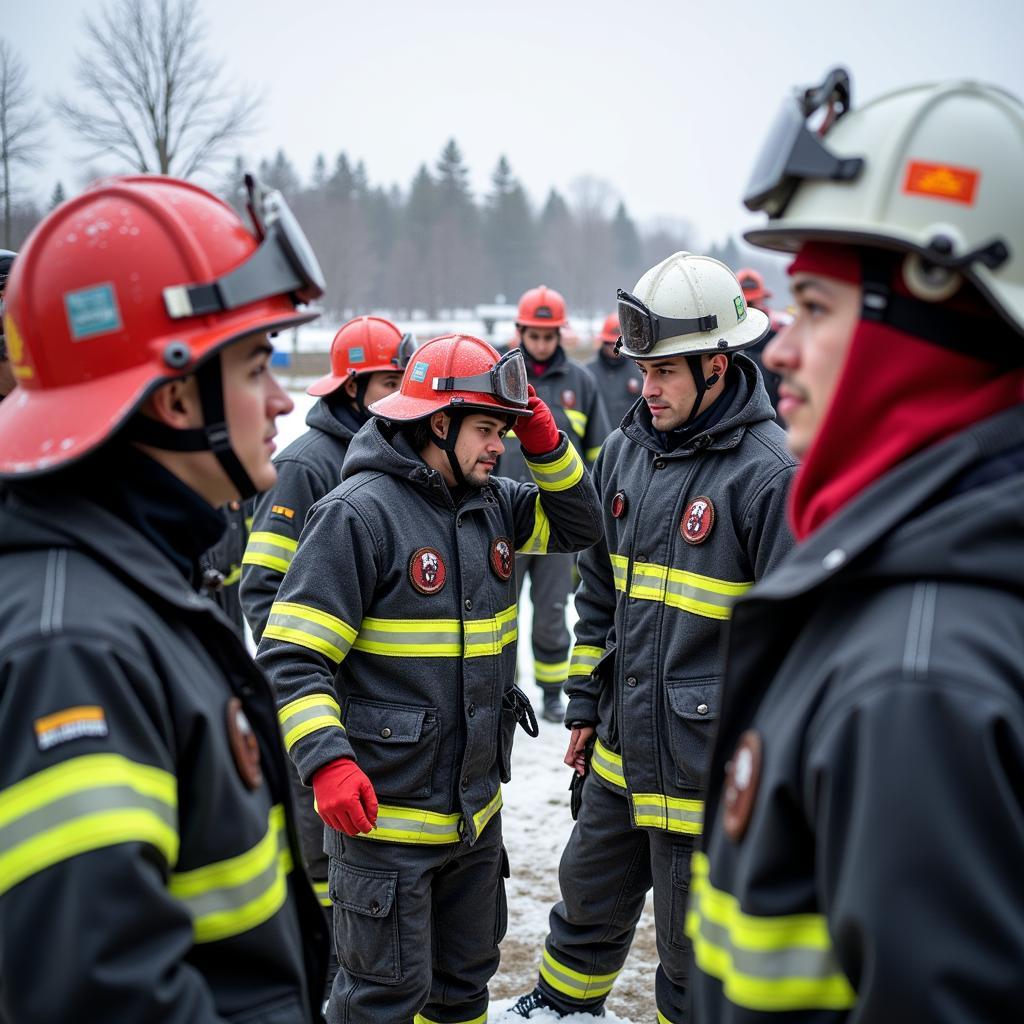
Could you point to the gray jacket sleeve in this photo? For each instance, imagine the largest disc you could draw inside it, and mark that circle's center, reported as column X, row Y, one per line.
column 767, row 535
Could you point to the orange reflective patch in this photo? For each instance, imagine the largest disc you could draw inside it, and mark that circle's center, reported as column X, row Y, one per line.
column 941, row 181
column 282, row 510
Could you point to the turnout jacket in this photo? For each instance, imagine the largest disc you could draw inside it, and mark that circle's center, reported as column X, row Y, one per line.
column 877, row 874
column 658, row 593
column 620, row 382
column 306, row 470
column 571, row 393
column 142, row 877
column 393, row 636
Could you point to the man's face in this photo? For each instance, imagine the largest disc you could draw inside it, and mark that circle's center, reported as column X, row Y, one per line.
column 609, row 349
column 381, row 384
column 669, row 390
column 809, row 353
column 478, row 447
column 540, row 342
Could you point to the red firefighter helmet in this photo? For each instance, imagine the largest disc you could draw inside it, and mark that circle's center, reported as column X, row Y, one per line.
column 367, row 344
column 541, row 307
column 752, row 284
column 131, row 284
column 458, row 372
column 610, row 331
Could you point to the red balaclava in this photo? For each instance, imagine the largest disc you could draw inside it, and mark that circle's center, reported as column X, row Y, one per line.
column 897, row 393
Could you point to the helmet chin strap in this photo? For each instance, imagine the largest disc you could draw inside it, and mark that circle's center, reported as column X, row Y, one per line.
column 362, row 383
column 696, row 365
column 213, row 436
column 447, row 444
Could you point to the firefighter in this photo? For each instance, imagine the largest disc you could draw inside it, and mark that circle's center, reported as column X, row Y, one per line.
column 865, row 828
column 619, row 380
column 221, row 566
column 570, row 392
column 692, row 490
column 757, row 295
column 7, row 381
column 150, row 860
column 392, row 648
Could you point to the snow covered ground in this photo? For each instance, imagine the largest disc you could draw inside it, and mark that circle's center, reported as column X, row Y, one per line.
column 536, row 824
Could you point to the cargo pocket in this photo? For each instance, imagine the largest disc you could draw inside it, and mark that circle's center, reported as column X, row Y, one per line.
column 681, row 855
column 507, row 722
column 396, row 746
column 501, row 920
column 366, row 922
column 693, row 710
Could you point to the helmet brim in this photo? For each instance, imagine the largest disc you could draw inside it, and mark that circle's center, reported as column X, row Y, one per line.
column 404, row 409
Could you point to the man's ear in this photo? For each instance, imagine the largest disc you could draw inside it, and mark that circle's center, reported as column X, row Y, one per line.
column 175, row 404
column 439, row 424
column 350, row 387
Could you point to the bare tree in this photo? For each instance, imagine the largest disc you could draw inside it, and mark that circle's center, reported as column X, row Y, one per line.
column 20, row 127
column 156, row 99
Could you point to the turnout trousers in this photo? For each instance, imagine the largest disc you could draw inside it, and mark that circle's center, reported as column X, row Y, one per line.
column 550, row 583
column 416, row 928
column 607, row 868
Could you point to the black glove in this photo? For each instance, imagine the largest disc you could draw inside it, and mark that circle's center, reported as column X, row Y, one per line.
column 576, row 784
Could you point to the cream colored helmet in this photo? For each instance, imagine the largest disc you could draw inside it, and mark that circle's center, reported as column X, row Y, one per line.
column 931, row 170
column 687, row 305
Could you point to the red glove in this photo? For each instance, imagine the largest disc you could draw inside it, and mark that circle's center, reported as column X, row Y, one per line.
column 537, row 433
column 344, row 797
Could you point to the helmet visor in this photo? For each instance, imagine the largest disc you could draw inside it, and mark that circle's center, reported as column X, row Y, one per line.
column 505, row 380
column 642, row 328
column 794, row 151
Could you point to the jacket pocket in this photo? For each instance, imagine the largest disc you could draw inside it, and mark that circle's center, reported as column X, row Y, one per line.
column 366, row 937
column 682, row 853
column 501, row 918
column 396, row 746
column 507, row 722
column 692, row 712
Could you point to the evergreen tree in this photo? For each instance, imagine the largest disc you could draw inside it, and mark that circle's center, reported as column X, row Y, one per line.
column 509, row 234
column 627, row 248
column 58, row 196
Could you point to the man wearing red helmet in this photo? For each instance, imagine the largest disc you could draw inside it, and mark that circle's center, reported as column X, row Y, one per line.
column 392, row 648
column 571, row 394
column 757, row 295
column 618, row 379
column 151, row 868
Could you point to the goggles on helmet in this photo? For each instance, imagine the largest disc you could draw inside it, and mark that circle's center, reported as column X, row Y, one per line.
column 283, row 263
column 506, row 380
column 794, row 151
column 406, row 347
column 642, row 328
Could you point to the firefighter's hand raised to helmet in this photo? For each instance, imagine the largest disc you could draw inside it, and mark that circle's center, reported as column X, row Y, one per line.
column 345, row 798
column 537, row 433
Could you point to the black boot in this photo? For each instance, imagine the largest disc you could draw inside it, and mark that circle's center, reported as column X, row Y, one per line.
column 537, row 1000
column 552, row 710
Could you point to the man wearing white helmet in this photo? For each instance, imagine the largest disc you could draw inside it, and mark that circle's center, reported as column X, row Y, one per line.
column 865, row 823
column 693, row 490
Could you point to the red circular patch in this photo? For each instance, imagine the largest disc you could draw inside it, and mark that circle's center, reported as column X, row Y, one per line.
column 697, row 520
column 502, row 561
column 633, row 386
column 619, row 505
column 743, row 774
column 244, row 747
column 427, row 570
column 568, row 399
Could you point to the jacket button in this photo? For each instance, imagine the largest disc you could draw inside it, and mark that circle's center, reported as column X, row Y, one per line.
column 469, row 604
column 374, row 907
column 702, row 709
column 385, row 732
column 458, row 522
column 631, row 680
column 641, row 558
column 701, row 441
column 659, row 464
column 471, row 710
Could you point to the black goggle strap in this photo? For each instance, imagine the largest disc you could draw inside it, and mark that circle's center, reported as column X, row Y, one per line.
column 406, row 348
column 696, row 365
column 656, row 326
column 447, row 444
column 362, row 383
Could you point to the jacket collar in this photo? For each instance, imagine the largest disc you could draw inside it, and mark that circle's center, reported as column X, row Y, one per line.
column 339, row 421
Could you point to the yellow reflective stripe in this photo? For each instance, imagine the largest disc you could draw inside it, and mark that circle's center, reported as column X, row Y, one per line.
column 608, row 765
column 489, row 809
column 410, row 638
column 270, row 550
column 408, row 825
column 670, row 813
column 537, row 542
column 298, row 718
column 232, row 577
column 309, row 627
column 585, row 658
column 620, row 570
column 550, row 671
column 572, row 983
column 420, row 1019
column 577, row 420
column 322, row 891
column 779, row 963
column 235, row 895
column 662, row 1019
column 687, row 591
column 565, row 472
column 491, row 636
column 84, row 804
column 591, row 454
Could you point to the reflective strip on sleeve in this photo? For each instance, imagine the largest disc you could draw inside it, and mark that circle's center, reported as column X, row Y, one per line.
column 233, row 896
column 585, row 659
column 662, row 1019
column 537, row 542
column 271, row 550
column 420, row 1019
column 410, row 638
column 233, row 576
column 84, row 804
column 550, row 672
column 491, row 636
column 577, row 420
column 771, row 964
column 620, row 570
column 669, row 813
column 575, row 984
column 322, row 890
column 409, row 825
column 608, row 765
column 299, row 718
column 565, row 472
column 309, row 627
column 591, row 454
column 488, row 811
column 687, row 591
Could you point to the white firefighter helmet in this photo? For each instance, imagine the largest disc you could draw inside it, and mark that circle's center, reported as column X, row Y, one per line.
column 687, row 305
column 931, row 170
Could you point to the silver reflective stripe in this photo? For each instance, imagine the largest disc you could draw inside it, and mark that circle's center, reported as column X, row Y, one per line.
column 296, row 626
column 672, row 814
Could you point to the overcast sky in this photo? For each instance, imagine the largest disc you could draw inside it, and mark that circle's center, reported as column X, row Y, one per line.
column 667, row 101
